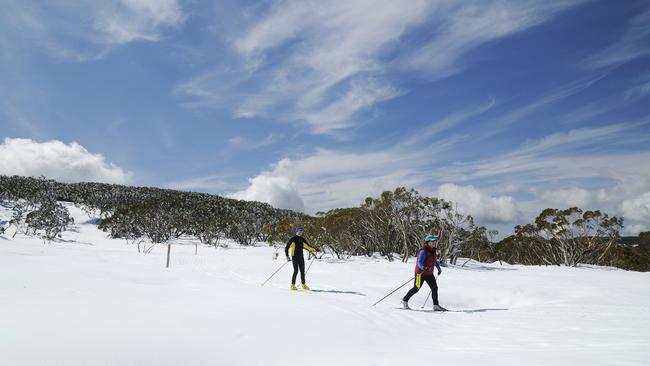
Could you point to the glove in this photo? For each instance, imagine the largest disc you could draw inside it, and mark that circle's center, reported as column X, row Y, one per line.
column 439, row 271
column 288, row 259
column 426, row 269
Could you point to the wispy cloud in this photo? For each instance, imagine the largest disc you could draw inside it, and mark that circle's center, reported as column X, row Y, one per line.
column 632, row 44
column 126, row 21
column 330, row 65
column 640, row 89
column 250, row 143
column 573, row 140
column 574, row 154
column 324, row 66
column 447, row 123
column 212, row 183
column 461, row 27
column 520, row 114
column 19, row 115
column 85, row 30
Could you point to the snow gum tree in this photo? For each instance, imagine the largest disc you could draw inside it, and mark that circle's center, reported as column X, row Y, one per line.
column 50, row 218
column 393, row 223
column 569, row 237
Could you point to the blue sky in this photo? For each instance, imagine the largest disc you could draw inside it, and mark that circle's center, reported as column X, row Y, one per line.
column 504, row 107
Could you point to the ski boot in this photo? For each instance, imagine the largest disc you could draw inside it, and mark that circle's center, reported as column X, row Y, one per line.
column 438, row 308
column 305, row 287
column 293, row 288
column 405, row 304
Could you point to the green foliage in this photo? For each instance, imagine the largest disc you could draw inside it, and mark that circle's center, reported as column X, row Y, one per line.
column 634, row 258
column 644, row 237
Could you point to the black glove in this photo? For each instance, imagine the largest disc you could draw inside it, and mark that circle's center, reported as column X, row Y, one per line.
column 288, row 259
column 439, row 271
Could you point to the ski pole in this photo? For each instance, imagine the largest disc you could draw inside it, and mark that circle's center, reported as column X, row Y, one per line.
column 382, row 299
column 427, row 299
column 310, row 263
column 278, row 270
column 428, row 296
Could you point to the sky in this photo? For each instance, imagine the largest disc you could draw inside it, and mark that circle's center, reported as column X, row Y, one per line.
column 503, row 107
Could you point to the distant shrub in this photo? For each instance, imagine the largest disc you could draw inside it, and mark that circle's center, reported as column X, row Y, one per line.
column 50, row 219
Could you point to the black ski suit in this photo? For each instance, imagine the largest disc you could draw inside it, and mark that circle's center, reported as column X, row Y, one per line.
column 297, row 244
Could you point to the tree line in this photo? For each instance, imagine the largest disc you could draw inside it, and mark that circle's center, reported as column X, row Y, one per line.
column 138, row 214
column 391, row 225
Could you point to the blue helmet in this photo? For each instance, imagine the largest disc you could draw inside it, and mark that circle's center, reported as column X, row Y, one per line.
column 299, row 229
column 430, row 237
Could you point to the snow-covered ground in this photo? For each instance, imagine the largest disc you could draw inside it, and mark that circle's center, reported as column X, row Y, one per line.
column 90, row 300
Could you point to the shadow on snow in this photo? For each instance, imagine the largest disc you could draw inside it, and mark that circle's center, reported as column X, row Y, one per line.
column 339, row 292
column 479, row 268
column 467, row 311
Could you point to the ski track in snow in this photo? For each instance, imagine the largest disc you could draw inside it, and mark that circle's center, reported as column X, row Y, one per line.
column 90, row 300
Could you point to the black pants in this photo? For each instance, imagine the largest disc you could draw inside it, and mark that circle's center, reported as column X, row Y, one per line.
column 298, row 263
column 430, row 280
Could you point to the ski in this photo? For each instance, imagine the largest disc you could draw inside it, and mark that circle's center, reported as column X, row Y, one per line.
column 432, row 311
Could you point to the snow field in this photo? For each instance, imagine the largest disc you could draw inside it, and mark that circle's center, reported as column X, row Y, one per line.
column 90, row 300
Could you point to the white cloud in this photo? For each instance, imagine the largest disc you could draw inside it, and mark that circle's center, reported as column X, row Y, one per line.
column 569, row 197
column 58, row 161
column 279, row 191
column 327, row 179
column 484, row 208
column 637, row 208
column 322, row 66
column 634, row 230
